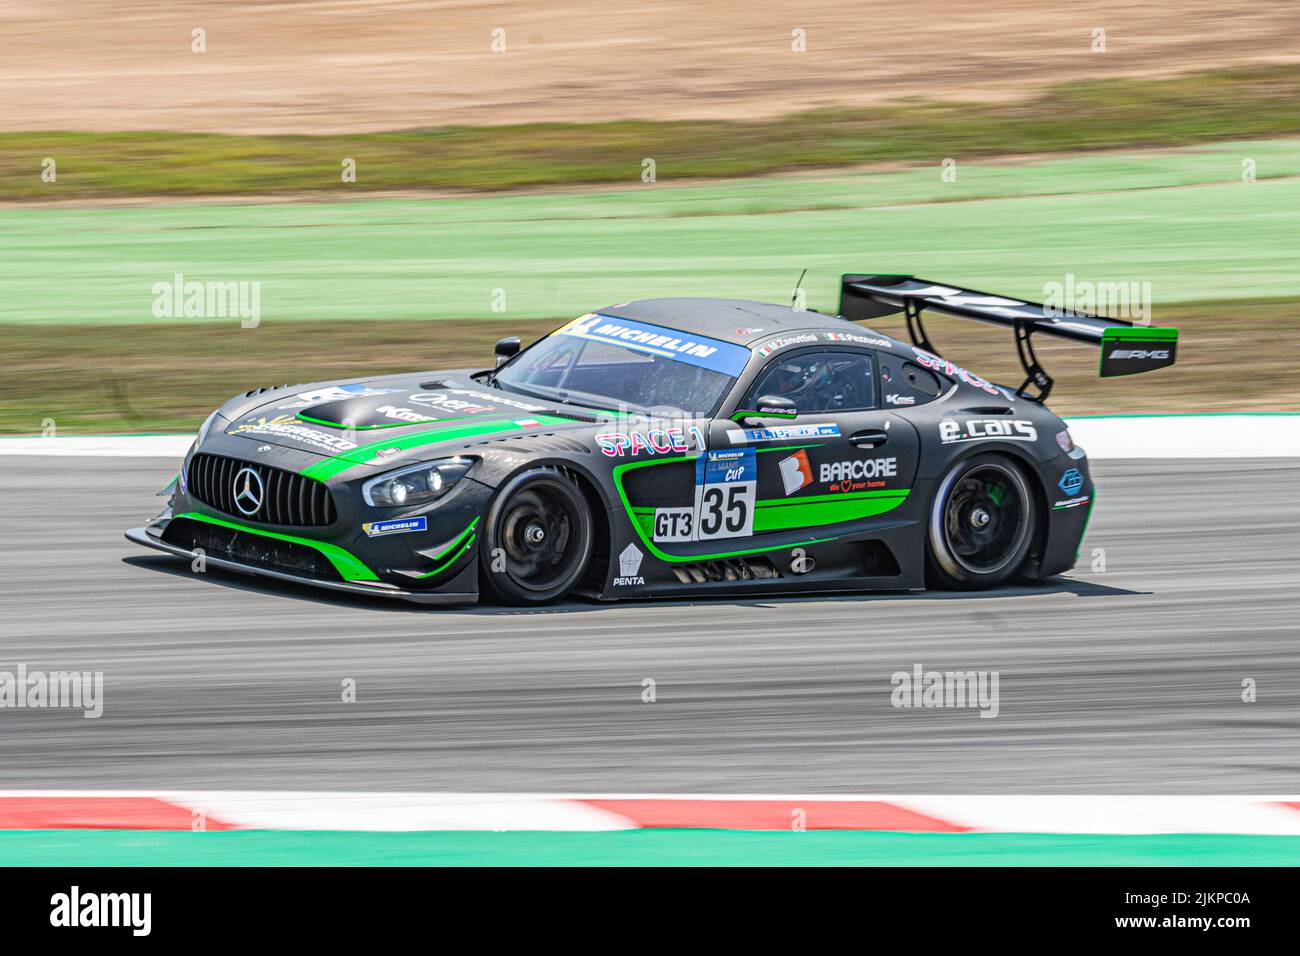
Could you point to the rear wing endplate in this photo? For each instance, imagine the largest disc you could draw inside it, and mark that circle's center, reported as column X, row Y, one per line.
column 1126, row 349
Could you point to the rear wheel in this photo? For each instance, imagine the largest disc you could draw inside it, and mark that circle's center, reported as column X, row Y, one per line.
column 538, row 538
column 981, row 523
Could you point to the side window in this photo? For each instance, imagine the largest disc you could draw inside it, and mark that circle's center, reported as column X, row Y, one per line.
column 904, row 383
column 820, row 381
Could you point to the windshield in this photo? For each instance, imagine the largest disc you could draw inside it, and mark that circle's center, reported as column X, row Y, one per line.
column 606, row 362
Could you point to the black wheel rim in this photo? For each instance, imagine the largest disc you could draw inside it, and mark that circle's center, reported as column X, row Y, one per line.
column 984, row 519
column 539, row 535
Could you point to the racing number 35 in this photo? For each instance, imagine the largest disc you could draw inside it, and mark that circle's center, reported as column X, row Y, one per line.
column 725, row 485
column 726, row 508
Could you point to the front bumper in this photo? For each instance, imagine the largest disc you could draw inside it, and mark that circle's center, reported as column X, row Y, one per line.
column 143, row 536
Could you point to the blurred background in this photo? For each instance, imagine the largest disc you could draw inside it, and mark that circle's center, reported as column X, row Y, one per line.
column 402, row 183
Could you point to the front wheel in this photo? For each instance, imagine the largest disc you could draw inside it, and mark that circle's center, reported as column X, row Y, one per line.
column 981, row 524
column 538, row 538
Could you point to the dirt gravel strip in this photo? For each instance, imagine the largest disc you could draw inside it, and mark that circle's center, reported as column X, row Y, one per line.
column 329, row 66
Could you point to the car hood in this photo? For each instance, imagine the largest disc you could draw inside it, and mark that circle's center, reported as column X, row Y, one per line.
column 380, row 421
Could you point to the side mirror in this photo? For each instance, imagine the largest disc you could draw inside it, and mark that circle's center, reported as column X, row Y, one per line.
column 769, row 406
column 507, row 348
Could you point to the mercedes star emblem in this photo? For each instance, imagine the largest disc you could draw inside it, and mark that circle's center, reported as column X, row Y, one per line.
column 248, row 491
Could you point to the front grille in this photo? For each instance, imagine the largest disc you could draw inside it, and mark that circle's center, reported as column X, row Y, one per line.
column 286, row 498
column 246, row 548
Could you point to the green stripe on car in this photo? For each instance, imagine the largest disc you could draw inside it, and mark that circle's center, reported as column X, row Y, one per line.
column 786, row 514
column 1139, row 333
column 365, row 454
column 348, row 565
column 770, row 514
column 450, row 547
column 454, row 558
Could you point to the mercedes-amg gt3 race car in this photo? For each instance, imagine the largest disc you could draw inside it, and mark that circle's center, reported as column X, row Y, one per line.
column 666, row 447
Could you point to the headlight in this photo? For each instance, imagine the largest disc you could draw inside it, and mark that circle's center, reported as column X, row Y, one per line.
column 417, row 484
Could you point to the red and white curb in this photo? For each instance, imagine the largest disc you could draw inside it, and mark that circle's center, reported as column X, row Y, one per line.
column 251, row 810
column 1156, row 436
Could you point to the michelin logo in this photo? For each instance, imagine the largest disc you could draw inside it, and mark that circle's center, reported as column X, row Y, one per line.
column 629, row 566
column 375, row 529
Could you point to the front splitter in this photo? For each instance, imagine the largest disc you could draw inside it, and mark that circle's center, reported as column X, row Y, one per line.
column 142, row 536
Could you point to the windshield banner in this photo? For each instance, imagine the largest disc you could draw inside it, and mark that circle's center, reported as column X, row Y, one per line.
column 697, row 350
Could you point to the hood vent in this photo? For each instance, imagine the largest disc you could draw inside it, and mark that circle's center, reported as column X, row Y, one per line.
column 261, row 390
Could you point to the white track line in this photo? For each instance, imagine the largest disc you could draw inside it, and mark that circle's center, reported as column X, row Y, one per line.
column 99, row 446
column 1189, row 436
column 1112, row 814
column 1103, row 814
column 400, row 812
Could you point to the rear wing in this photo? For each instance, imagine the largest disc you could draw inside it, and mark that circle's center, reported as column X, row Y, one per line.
column 1126, row 349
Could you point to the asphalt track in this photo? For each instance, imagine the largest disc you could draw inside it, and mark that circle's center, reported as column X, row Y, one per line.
column 1122, row 681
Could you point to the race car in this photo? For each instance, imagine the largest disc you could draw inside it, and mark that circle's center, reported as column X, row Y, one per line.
column 672, row 447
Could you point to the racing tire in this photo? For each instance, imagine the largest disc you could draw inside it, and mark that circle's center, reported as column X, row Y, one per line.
column 981, row 524
column 538, row 538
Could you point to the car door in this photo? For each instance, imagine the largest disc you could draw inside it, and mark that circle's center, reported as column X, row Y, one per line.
column 841, row 462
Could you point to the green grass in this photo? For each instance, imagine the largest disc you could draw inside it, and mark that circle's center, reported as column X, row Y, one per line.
column 1103, row 114
column 635, row 848
column 1181, row 220
column 343, row 283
